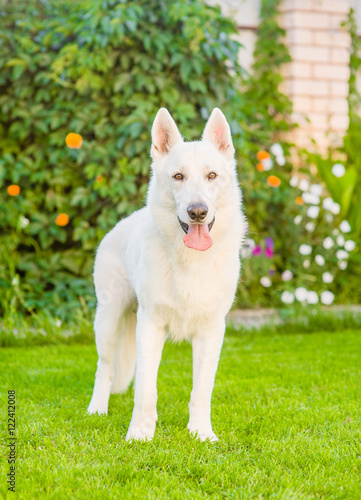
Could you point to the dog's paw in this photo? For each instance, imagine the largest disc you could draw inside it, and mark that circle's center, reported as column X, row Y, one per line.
column 210, row 436
column 203, row 435
column 96, row 407
column 135, row 433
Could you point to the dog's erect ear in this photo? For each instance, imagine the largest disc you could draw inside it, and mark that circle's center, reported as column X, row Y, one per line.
column 218, row 132
column 165, row 134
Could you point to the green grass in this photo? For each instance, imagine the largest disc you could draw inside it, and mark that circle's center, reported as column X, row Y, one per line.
column 285, row 407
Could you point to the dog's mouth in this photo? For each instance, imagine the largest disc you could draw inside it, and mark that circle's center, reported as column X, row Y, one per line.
column 197, row 235
column 185, row 226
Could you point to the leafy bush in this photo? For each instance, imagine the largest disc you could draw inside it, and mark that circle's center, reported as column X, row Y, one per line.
column 343, row 180
column 304, row 255
column 101, row 70
column 283, row 218
column 80, row 85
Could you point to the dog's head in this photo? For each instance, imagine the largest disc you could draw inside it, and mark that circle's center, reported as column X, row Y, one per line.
column 196, row 179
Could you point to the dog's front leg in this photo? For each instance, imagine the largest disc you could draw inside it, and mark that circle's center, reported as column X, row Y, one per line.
column 206, row 350
column 150, row 341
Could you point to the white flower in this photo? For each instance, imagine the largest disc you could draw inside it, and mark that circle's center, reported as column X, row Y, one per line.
column 335, row 208
column 310, row 226
column 327, row 278
column 320, row 260
column 287, row 297
column 287, row 275
column 313, row 211
column 306, row 263
column 245, row 252
column 345, row 226
column 250, row 243
column 58, row 322
column 304, row 185
column 327, row 203
column 294, row 181
column 24, row 221
column 281, row 160
column 328, row 243
column 338, row 170
column 327, row 298
column 301, row 294
column 267, row 163
column 316, row 189
column 265, row 281
column 340, row 240
column 310, row 198
column 15, row 280
column 341, row 254
column 297, row 219
column 350, row 245
column 276, row 149
column 312, row 298
column 305, row 249
column 336, row 231
column 342, row 264
column 329, row 218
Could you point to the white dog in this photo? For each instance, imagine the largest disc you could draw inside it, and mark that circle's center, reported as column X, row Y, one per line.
column 151, row 278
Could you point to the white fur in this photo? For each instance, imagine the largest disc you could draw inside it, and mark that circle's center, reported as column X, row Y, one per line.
column 149, row 283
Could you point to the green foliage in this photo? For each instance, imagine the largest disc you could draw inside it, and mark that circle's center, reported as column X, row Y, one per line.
column 268, row 112
column 352, row 137
column 272, row 212
column 101, row 70
column 269, row 108
column 347, row 190
column 303, row 247
column 351, row 142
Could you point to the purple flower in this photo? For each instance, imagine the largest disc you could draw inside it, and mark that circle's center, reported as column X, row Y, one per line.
column 269, row 242
column 269, row 252
column 272, row 272
column 257, row 250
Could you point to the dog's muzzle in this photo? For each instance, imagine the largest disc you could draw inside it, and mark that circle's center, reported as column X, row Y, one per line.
column 185, row 226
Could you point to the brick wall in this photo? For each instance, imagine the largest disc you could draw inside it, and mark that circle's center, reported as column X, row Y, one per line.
column 317, row 78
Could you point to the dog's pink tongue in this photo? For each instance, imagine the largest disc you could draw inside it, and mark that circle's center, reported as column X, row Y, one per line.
column 198, row 237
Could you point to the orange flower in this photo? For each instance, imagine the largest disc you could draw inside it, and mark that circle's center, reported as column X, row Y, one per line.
column 273, row 181
column 13, row 190
column 259, row 167
column 99, row 178
column 74, row 141
column 262, row 155
column 299, row 200
column 62, row 220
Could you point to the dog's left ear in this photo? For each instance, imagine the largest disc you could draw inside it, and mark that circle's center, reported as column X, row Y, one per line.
column 165, row 134
column 218, row 132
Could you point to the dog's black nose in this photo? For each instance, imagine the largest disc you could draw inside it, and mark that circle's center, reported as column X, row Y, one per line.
column 197, row 211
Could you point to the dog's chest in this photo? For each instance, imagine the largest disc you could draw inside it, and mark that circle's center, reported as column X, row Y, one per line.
column 190, row 297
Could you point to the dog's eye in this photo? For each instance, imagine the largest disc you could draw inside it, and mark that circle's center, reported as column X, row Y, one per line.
column 178, row 177
column 212, row 175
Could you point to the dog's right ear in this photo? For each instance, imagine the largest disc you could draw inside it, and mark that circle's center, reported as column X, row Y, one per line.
column 165, row 134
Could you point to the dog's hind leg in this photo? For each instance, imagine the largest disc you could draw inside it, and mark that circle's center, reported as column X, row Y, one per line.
column 125, row 354
column 106, row 328
column 114, row 334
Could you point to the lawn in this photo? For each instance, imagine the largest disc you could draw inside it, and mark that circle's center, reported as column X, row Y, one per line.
column 285, row 407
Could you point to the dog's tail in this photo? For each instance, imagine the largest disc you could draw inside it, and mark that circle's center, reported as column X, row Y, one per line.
column 125, row 356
